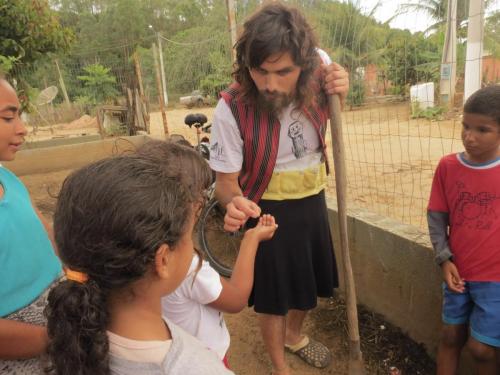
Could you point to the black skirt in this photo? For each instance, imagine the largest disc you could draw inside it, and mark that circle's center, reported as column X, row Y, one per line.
column 298, row 264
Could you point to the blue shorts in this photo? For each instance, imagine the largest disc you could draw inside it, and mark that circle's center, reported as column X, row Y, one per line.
column 478, row 306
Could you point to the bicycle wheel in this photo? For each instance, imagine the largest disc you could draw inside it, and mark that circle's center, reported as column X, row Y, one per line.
column 220, row 247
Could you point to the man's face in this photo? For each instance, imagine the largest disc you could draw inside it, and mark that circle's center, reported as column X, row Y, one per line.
column 276, row 79
column 12, row 129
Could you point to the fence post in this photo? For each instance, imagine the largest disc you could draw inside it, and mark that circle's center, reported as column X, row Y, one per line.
column 160, row 91
column 63, row 86
column 144, row 105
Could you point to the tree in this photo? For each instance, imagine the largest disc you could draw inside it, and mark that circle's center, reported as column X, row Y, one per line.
column 411, row 59
column 29, row 29
column 99, row 84
column 437, row 10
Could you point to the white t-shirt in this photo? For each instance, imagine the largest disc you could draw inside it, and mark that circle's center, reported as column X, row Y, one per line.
column 299, row 146
column 188, row 307
column 138, row 350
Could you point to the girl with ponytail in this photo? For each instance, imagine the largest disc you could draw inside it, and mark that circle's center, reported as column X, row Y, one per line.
column 124, row 230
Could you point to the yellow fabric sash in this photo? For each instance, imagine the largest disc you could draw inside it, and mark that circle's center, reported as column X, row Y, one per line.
column 296, row 184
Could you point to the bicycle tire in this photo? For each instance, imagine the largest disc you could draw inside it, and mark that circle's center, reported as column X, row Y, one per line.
column 220, row 247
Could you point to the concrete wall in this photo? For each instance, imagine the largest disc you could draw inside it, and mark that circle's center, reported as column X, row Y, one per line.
column 51, row 159
column 395, row 274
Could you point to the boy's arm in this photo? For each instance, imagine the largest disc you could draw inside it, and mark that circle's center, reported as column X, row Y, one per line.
column 438, row 230
column 20, row 340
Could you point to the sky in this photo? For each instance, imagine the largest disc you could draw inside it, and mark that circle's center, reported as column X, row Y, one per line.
column 412, row 21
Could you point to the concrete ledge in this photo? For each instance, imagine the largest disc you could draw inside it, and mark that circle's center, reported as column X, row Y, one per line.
column 61, row 141
column 395, row 274
column 51, row 159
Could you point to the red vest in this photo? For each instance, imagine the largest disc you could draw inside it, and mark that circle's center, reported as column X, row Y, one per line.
column 260, row 132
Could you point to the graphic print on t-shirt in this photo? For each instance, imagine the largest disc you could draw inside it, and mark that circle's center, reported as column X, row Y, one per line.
column 476, row 211
column 296, row 133
column 217, row 152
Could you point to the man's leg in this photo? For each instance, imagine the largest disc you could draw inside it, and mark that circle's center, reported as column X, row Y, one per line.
column 452, row 341
column 294, row 322
column 273, row 333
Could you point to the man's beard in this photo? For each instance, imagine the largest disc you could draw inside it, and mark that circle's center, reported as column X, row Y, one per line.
column 273, row 102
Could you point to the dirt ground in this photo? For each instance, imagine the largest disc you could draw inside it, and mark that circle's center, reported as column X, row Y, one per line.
column 380, row 154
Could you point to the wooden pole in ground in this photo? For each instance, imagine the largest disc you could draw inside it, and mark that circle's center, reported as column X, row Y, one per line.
column 356, row 366
column 160, row 91
column 144, row 106
column 63, row 86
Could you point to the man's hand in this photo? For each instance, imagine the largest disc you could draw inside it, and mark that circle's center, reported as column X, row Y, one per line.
column 336, row 80
column 238, row 211
column 451, row 277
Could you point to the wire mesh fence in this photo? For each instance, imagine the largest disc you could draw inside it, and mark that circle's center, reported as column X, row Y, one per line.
column 392, row 143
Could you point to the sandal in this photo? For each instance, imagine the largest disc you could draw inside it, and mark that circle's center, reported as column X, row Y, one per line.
column 312, row 352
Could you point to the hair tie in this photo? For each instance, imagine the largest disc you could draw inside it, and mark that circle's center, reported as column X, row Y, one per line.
column 79, row 277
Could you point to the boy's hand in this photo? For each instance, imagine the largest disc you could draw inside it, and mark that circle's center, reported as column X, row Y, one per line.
column 452, row 278
column 265, row 228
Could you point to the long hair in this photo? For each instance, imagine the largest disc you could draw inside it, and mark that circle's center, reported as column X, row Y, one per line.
column 486, row 102
column 110, row 218
column 273, row 29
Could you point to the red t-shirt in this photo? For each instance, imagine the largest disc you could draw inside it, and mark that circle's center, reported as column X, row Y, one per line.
column 471, row 196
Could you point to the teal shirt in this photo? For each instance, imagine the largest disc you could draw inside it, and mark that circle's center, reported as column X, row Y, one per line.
column 28, row 264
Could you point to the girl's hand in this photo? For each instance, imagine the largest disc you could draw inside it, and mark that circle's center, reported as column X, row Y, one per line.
column 452, row 278
column 265, row 228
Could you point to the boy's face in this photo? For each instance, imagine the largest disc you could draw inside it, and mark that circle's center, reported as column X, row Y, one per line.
column 12, row 129
column 480, row 136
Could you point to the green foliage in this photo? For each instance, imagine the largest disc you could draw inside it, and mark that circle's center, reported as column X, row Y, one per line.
column 430, row 113
column 492, row 34
column 29, row 29
column 411, row 59
column 7, row 63
column 356, row 95
column 99, row 85
column 213, row 83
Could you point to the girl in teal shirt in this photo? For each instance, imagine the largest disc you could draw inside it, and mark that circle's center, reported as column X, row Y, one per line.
column 28, row 264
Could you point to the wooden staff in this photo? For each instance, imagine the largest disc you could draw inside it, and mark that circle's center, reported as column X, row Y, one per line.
column 356, row 366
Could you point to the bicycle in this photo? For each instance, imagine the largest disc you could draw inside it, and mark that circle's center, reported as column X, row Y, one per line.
column 219, row 247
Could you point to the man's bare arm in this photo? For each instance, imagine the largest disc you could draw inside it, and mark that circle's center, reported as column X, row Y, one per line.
column 227, row 187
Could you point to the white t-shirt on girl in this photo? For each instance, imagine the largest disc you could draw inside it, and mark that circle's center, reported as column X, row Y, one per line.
column 188, row 307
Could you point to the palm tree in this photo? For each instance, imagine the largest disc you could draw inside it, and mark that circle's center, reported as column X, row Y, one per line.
column 437, row 10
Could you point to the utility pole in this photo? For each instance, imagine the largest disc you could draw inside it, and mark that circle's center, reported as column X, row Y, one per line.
column 474, row 55
column 231, row 17
column 162, row 71
column 449, row 59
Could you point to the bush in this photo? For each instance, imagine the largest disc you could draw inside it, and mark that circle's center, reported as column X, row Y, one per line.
column 356, row 95
column 99, row 84
column 430, row 113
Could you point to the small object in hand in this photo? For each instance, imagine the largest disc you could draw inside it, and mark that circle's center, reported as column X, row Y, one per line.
column 394, row 371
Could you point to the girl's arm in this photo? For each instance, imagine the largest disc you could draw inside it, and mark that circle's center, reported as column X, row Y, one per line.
column 20, row 340
column 235, row 291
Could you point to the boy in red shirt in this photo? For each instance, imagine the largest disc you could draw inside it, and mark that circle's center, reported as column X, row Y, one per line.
column 464, row 226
